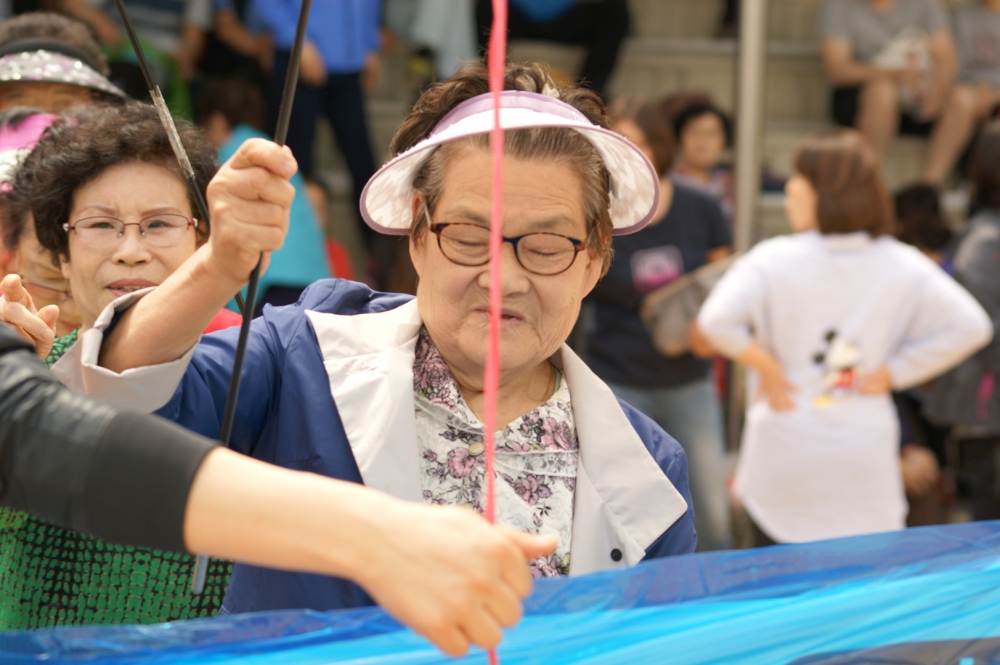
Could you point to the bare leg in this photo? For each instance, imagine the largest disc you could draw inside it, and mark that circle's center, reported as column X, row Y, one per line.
column 951, row 132
column 878, row 114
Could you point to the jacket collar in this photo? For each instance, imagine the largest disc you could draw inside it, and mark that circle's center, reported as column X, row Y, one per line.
column 623, row 499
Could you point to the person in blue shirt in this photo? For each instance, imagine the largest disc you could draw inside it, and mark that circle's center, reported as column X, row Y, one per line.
column 339, row 64
column 230, row 113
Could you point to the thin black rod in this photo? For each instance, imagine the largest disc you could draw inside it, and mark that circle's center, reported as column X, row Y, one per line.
column 168, row 125
column 280, row 136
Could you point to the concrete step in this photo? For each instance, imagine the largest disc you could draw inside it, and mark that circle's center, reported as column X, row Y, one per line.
column 788, row 20
column 902, row 166
column 656, row 67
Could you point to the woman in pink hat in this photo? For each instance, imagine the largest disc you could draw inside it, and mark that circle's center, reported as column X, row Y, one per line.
column 386, row 390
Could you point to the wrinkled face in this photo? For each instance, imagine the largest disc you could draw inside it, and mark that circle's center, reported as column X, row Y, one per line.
column 702, row 141
column 801, row 201
column 52, row 97
column 539, row 311
column 44, row 281
column 129, row 192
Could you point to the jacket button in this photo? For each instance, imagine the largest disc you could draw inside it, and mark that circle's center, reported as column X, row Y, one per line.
column 616, row 555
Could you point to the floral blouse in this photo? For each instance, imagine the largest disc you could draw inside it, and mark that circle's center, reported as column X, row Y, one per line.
column 536, row 457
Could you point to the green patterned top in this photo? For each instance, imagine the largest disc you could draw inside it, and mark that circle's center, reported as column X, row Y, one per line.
column 50, row 576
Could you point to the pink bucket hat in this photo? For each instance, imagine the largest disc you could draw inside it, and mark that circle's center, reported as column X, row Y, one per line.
column 386, row 202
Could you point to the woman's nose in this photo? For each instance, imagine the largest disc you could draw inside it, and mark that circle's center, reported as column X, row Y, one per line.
column 131, row 248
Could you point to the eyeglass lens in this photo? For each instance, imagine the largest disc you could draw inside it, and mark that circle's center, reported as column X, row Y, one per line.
column 159, row 230
column 540, row 253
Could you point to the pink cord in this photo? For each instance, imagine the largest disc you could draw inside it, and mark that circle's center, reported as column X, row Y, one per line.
column 497, row 59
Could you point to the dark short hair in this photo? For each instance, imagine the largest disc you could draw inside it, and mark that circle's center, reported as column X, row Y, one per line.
column 984, row 169
column 47, row 25
column 73, row 154
column 918, row 219
column 842, row 167
column 697, row 110
column 239, row 101
column 654, row 126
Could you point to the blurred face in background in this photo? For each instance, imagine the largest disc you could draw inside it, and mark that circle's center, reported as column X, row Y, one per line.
column 51, row 97
column 634, row 133
column 43, row 280
column 702, row 141
column 801, row 203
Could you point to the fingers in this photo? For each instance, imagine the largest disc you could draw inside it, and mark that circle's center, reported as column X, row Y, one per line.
column 18, row 315
column 482, row 629
column 532, row 545
column 446, row 637
column 268, row 155
column 14, row 291
column 49, row 315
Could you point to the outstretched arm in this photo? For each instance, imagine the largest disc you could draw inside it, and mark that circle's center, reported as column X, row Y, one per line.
column 78, row 462
column 249, row 200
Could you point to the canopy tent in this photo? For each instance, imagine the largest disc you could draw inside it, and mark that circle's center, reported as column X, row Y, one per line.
column 926, row 596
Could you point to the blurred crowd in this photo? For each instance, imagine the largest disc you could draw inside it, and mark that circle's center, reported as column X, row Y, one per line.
column 888, row 415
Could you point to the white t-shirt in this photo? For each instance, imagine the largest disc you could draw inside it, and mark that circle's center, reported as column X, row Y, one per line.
column 831, row 309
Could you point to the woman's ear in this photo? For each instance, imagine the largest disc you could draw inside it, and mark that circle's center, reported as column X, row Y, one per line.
column 64, row 265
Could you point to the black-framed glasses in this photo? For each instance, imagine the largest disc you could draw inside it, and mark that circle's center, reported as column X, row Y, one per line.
column 468, row 244
column 163, row 230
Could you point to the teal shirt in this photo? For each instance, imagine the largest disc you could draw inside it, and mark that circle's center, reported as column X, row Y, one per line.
column 302, row 260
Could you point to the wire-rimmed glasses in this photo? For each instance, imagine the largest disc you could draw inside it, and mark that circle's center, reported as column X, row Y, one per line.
column 468, row 244
column 163, row 230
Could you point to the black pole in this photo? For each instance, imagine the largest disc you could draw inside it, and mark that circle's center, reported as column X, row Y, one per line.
column 280, row 135
column 168, row 124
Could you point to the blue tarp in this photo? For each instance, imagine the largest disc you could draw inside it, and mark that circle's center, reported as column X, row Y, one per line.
column 923, row 596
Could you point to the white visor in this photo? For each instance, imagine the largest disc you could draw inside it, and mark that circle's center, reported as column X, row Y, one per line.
column 387, row 200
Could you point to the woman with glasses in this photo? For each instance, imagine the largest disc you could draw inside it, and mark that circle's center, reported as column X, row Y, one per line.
column 387, row 390
column 113, row 215
column 81, row 256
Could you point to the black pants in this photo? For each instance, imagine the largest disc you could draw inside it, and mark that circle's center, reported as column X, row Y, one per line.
column 342, row 102
column 600, row 25
column 844, row 108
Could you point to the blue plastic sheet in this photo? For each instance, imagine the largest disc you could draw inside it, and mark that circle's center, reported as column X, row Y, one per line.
column 923, row 596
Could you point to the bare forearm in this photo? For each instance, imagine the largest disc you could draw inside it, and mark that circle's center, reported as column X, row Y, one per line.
column 260, row 514
column 757, row 357
column 231, row 32
column 167, row 322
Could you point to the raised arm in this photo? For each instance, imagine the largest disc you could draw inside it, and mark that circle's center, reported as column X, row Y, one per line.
column 249, row 200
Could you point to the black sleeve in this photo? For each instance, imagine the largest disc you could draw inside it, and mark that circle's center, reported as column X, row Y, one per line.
column 88, row 466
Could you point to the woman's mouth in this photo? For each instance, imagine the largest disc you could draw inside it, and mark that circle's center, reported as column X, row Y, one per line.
column 508, row 316
column 124, row 286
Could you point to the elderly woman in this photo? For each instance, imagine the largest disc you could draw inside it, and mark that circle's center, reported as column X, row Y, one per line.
column 113, row 213
column 386, row 390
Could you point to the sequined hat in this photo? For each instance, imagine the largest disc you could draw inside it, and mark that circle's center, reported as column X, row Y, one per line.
column 49, row 61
